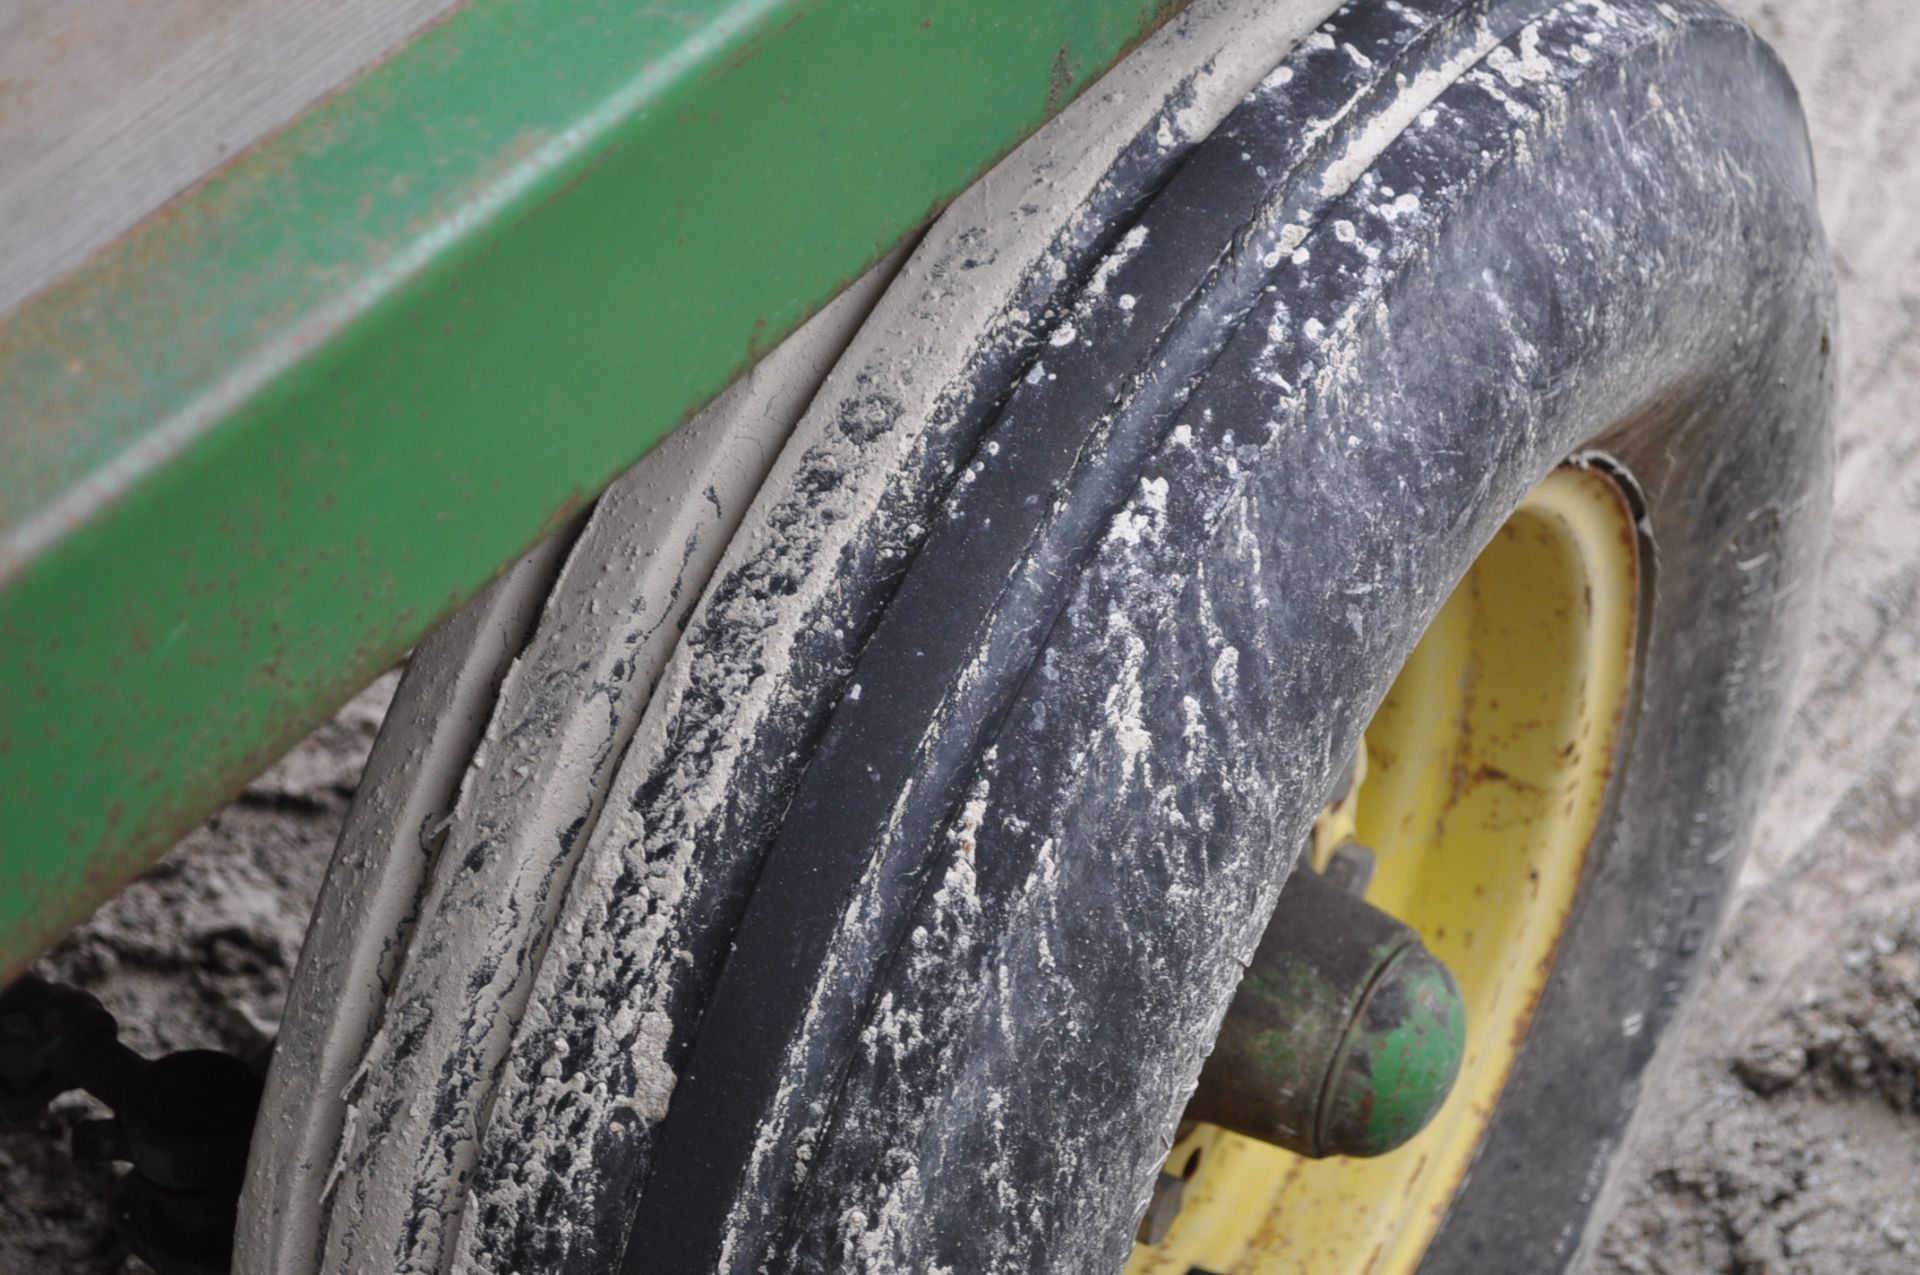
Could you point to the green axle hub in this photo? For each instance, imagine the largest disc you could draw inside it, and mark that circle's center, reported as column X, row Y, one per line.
column 1346, row 1033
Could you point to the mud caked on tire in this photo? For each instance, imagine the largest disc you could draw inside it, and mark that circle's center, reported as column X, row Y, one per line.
column 839, row 855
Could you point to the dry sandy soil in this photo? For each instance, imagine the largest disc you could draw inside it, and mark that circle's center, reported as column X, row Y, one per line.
column 1783, row 1136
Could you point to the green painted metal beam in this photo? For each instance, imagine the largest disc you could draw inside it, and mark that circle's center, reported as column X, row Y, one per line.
column 250, row 454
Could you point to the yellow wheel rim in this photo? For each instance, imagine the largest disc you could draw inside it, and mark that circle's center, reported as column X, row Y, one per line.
column 1483, row 781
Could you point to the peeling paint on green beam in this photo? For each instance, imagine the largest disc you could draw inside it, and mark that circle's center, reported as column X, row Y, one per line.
column 252, row 452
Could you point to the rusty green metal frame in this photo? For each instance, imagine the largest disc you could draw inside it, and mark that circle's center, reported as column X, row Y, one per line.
column 253, row 450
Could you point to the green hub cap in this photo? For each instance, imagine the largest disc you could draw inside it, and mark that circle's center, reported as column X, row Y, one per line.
column 1345, row 1036
column 1397, row 1060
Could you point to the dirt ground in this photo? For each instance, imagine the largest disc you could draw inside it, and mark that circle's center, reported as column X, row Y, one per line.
column 1783, row 1136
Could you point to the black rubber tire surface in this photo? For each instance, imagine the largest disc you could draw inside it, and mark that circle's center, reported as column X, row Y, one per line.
column 960, row 930
column 1112, row 720
column 1010, row 898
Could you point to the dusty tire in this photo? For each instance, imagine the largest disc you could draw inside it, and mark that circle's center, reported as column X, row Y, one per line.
column 946, row 832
